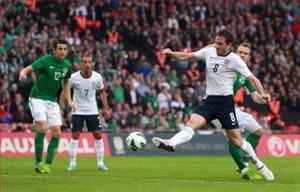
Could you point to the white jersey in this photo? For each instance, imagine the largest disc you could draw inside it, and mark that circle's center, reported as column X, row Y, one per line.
column 85, row 92
column 221, row 70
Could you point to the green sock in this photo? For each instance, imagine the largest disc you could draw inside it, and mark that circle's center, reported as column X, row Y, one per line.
column 253, row 139
column 52, row 149
column 237, row 155
column 39, row 145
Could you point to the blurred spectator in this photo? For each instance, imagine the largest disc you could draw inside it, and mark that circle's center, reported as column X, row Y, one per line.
column 5, row 116
column 164, row 98
column 20, row 115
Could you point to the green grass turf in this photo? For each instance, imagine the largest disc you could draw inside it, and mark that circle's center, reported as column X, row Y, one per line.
column 155, row 174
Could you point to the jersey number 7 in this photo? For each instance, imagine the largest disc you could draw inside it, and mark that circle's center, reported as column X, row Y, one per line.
column 86, row 92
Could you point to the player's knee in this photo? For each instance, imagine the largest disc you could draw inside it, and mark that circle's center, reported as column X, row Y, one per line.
column 97, row 135
column 55, row 131
column 76, row 135
column 41, row 126
column 196, row 122
column 236, row 141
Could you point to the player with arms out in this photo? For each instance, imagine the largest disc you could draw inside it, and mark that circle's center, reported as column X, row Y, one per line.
column 245, row 120
column 85, row 83
column 221, row 68
column 51, row 72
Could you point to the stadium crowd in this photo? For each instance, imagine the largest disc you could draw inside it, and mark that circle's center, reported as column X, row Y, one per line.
column 147, row 90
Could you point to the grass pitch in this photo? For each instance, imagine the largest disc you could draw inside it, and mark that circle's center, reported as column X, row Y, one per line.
column 141, row 174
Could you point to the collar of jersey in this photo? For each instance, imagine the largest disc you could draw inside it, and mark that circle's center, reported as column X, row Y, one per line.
column 224, row 55
column 57, row 61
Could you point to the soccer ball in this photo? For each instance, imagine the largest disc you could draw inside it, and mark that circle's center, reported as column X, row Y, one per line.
column 136, row 141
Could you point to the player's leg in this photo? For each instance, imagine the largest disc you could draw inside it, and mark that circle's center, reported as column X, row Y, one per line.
column 38, row 111
column 76, row 128
column 237, row 154
column 255, row 132
column 227, row 116
column 234, row 135
column 94, row 125
column 196, row 121
column 201, row 115
column 54, row 122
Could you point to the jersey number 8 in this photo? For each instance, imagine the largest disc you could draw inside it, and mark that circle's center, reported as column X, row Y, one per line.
column 215, row 69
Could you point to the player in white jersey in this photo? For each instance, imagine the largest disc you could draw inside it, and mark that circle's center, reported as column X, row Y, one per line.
column 245, row 120
column 85, row 83
column 221, row 68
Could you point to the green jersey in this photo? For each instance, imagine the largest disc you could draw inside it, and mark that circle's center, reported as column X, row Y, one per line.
column 49, row 74
column 241, row 81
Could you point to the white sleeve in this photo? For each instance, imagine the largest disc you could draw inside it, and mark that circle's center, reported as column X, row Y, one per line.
column 200, row 54
column 240, row 66
column 100, row 84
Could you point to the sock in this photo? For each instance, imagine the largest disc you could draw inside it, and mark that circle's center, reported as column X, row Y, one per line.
column 253, row 139
column 237, row 155
column 52, row 149
column 99, row 150
column 73, row 151
column 182, row 136
column 39, row 145
column 248, row 150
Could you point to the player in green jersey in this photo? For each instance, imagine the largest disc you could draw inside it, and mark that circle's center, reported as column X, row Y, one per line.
column 52, row 72
column 246, row 121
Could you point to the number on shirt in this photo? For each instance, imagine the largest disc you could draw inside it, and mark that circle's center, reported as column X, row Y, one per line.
column 57, row 75
column 86, row 92
column 232, row 117
column 215, row 69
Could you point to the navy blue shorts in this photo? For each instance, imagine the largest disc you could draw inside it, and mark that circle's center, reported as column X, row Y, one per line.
column 93, row 122
column 218, row 107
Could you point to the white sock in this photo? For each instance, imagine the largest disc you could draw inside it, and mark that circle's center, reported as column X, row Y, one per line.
column 73, row 151
column 99, row 150
column 248, row 150
column 182, row 136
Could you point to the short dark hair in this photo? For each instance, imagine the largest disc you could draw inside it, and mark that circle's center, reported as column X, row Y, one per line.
column 227, row 35
column 87, row 53
column 244, row 44
column 59, row 41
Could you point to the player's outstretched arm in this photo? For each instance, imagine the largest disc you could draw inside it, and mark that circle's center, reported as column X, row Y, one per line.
column 257, row 84
column 24, row 72
column 67, row 94
column 180, row 56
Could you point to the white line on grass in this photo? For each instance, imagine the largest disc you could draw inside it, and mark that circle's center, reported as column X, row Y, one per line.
column 270, row 183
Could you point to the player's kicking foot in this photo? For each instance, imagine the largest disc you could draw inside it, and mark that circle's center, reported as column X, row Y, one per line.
column 250, row 175
column 102, row 167
column 72, row 167
column 266, row 172
column 42, row 168
column 162, row 144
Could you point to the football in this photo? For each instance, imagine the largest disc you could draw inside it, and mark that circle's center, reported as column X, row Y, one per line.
column 136, row 141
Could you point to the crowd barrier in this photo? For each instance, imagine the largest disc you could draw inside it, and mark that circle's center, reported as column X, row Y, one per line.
column 22, row 144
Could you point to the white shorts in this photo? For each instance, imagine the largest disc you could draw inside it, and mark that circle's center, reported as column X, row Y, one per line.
column 45, row 111
column 245, row 120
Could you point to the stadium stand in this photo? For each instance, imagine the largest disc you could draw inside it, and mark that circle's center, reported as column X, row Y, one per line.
column 147, row 90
